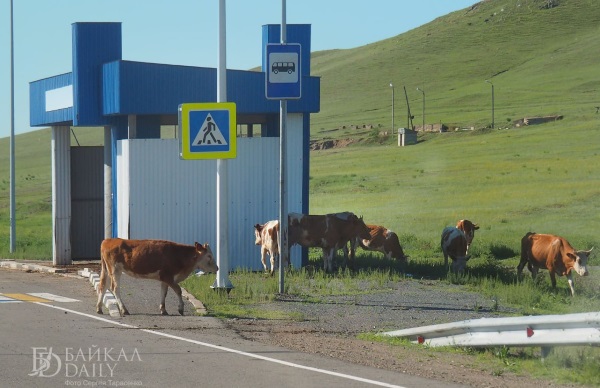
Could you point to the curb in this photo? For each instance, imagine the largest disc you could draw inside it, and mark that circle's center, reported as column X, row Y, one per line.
column 109, row 300
column 31, row 267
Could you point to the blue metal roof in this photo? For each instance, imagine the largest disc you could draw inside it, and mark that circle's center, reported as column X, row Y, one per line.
column 105, row 87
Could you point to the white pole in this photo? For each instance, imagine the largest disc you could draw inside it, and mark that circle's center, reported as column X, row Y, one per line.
column 12, row 136
column 283, row 206
column 222, row 280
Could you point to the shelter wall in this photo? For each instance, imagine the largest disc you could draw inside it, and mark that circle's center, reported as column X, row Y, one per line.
column 162, row 196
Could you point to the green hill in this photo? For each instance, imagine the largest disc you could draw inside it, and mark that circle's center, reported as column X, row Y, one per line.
column 542, row 61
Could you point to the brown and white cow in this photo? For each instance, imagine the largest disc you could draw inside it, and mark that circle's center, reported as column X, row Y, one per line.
column 454, row 245
column 468, row 229
column 329, row 232
column 381, row 240
column 166, row 261
column 266, row 235
column 554, row 253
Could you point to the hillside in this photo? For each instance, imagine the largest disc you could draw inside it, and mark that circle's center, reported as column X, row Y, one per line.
column 542, row 61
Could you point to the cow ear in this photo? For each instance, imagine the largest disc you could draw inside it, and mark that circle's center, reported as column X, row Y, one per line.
column 198, row 246
column 572, row 256
column 475, row 226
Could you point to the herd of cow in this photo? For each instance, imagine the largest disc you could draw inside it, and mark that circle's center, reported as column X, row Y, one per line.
column 170, row 262
column 335, row 231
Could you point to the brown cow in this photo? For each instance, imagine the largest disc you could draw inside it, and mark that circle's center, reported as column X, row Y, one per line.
column 266, row 236
column 165, row 261
column 329, row 232
column 381, row 240
column 454, row 244
column 554, row 253
column 468, row 229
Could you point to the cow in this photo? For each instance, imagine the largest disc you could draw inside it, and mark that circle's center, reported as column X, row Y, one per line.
column 381, row 240
column 166, row 261
column 266, row 236
column 454, row 245
column 329, row 232
column 468, row 229
column 554, row 253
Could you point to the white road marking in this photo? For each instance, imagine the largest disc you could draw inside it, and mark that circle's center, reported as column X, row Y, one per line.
column 6, row 299
column 55, row 298
column 34, row 297
column 222, row 348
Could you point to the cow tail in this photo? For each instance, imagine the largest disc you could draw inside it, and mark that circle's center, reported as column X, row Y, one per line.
column 526, row 246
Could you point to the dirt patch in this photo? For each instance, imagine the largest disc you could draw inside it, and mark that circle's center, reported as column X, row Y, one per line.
column 328, row 144
column 330, row 328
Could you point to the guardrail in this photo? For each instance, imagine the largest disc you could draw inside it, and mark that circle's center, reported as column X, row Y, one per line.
column 541, row 330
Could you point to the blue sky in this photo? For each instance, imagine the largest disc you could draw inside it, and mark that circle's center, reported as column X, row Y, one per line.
column 185, row 32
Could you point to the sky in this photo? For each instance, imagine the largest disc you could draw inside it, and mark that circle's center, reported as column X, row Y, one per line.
column 186, row 32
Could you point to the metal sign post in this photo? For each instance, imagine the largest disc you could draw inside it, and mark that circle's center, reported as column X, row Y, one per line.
column 222, row 280
column 283, row 81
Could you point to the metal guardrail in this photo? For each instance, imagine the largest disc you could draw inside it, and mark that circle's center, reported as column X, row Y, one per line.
column 541, row 330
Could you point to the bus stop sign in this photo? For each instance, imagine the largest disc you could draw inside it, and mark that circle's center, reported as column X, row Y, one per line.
column 283, row 76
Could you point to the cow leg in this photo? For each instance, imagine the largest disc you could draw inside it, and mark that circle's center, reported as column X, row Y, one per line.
column 345, row 250
column 571, row 284
column 273, row 261
column 177, row 290
column 330, row 258
column 353, row 245
column 553, row 279
column 534, row 271
column 520, row 267
column 263, row 253
column 116, row 289
column 164, row 287
column 102, row 285
column 326, row 260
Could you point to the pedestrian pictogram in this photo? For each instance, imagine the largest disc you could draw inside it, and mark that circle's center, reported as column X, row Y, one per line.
column 207, row 131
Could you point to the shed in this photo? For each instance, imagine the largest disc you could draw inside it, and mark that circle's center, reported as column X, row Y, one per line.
column 406, row 137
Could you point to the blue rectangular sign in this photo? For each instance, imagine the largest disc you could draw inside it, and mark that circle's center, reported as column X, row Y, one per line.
column 283, row 77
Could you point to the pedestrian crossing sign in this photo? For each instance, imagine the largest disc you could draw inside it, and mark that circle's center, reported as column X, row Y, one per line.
column 207, row 130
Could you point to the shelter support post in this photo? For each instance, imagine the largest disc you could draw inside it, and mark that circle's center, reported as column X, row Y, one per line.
column 108, row 204
column 61, row 195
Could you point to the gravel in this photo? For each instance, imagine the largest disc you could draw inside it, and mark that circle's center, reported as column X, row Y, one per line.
column 330, row 327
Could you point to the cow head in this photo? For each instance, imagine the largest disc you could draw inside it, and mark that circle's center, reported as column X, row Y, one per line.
column 460, row 263
column 580, row 259
column 205, row 261
column 362, row 230
column 469, row 229
column 258, row 234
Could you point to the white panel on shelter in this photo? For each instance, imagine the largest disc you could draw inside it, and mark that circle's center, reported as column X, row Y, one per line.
column 122, row 190
column 169, row 198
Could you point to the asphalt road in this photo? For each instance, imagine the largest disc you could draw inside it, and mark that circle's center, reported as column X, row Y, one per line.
column 55, row 341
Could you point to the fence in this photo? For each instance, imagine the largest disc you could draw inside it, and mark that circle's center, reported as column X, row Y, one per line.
column 545, row 331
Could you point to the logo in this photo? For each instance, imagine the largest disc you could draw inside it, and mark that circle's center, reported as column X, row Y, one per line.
column 91, row 366
column 42, row 363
